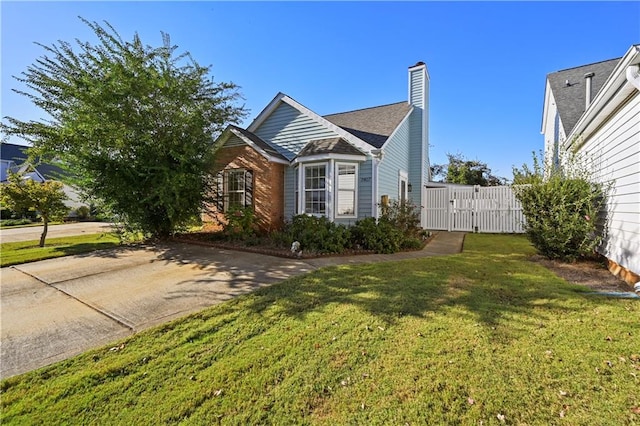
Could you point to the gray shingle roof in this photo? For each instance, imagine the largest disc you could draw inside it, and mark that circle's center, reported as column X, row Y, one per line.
column 18, row 154
column 372, row 125
column 570, row 99
column 259, row 142
column 335, row 145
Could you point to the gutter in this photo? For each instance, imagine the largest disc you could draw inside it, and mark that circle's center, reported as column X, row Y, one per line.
column 633, row 75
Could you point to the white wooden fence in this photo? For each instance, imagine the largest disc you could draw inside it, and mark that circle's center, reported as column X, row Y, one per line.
column 492, row 209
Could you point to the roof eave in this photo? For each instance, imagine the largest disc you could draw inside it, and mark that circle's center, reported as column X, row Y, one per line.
column 615, row 86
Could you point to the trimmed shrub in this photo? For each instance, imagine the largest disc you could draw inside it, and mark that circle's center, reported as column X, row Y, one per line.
column 381, row 237
column 562, row 210
column 318, row 234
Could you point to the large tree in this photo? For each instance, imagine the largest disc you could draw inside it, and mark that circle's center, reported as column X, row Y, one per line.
column 46, row 198
column 466, row 172
column 133, row 123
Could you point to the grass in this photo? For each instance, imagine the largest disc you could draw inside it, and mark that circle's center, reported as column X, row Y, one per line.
column 463, row 339
column 29, row 251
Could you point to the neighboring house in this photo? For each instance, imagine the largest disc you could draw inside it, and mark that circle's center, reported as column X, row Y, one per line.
column 14, row 159
column 594, row 111
column 292, row 161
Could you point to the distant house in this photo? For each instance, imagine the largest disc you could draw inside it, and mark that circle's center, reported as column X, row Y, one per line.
column 594, row 110
column 13, row 158
column 290, row 160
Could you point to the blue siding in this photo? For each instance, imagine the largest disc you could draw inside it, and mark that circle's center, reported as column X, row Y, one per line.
column 289, row 130
column 365, row 189
column 289, row 192
column 417, row 81
column 416, row 155
column 396, row 158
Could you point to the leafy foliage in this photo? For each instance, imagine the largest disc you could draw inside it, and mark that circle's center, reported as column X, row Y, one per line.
column 133, row 123
column 561, row 209
column 47, row 198
column 381, row 237
column 318, row 234
column 465, row 172
column 240, row 223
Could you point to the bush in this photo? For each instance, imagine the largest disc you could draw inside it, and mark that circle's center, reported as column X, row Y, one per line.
column 381, row 237
column 240, row 224
column 318, row 234
column 561, row 210
column 404, row 216
column 15, row 222
column 82, row 212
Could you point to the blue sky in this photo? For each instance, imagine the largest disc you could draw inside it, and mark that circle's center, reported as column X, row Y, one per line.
column 487, row 60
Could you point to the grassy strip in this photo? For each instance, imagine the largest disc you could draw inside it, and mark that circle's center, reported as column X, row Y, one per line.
column 466, row 339
column 29, row 251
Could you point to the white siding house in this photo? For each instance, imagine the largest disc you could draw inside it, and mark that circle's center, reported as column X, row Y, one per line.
column 601, row 122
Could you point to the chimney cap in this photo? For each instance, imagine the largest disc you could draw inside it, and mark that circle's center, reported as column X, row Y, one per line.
column 417, row 64
column 589, row 74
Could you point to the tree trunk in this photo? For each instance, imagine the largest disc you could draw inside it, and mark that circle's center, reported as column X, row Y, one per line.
column 45, row 221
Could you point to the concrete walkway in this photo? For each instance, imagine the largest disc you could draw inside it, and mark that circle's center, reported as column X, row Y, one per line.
column 54, row 309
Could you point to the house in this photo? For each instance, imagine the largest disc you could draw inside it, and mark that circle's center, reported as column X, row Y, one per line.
column 594, row 110
column 13, row 158
column 290, row 160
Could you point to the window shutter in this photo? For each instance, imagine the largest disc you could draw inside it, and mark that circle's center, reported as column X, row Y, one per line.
column 248, row 188
column 219, row 192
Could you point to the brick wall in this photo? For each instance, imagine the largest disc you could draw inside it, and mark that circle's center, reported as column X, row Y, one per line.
column 268, row 185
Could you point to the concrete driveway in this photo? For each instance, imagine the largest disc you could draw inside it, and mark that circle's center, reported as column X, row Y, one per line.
column 32, row 233
column 54, row 309
column 57, row 308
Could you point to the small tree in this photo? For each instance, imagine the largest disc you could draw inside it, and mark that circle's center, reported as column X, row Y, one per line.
column 465, row 172
column 134, row 124
column 561, row 207
column 47, row 198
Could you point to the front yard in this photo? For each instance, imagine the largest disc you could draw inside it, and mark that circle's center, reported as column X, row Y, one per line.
column 483, row 337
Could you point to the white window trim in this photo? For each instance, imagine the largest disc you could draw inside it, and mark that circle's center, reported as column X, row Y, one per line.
column 303, row 188
column 403, row 177
column 226, row 192
column 337, row 191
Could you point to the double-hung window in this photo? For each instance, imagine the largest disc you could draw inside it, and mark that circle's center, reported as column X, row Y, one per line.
column 315, row 189
column 346, row 179
column 234, row 189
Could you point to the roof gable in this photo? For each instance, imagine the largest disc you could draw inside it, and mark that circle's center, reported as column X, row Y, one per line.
column 323, row 127
column 372, row 125
column 568, row 88
column 255, row 142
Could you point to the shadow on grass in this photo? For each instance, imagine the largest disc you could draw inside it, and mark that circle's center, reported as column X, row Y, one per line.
column 488, row 290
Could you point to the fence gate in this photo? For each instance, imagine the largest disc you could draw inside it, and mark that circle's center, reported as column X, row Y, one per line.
column 492, row 209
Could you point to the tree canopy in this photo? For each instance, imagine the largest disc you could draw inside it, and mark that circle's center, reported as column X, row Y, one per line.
column 133, row 123
column 465, row 172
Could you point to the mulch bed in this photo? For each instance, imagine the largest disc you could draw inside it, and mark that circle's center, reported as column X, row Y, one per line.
column 588, row 273
column 204, row 239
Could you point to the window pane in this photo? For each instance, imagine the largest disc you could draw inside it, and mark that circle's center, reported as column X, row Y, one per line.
column 314, row 187
column 346, row 199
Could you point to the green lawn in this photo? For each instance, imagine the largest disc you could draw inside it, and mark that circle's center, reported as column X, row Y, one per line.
column 29, row 251
column 464, row 339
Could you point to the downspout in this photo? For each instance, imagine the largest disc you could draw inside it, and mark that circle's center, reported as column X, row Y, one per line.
column 633, row 75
